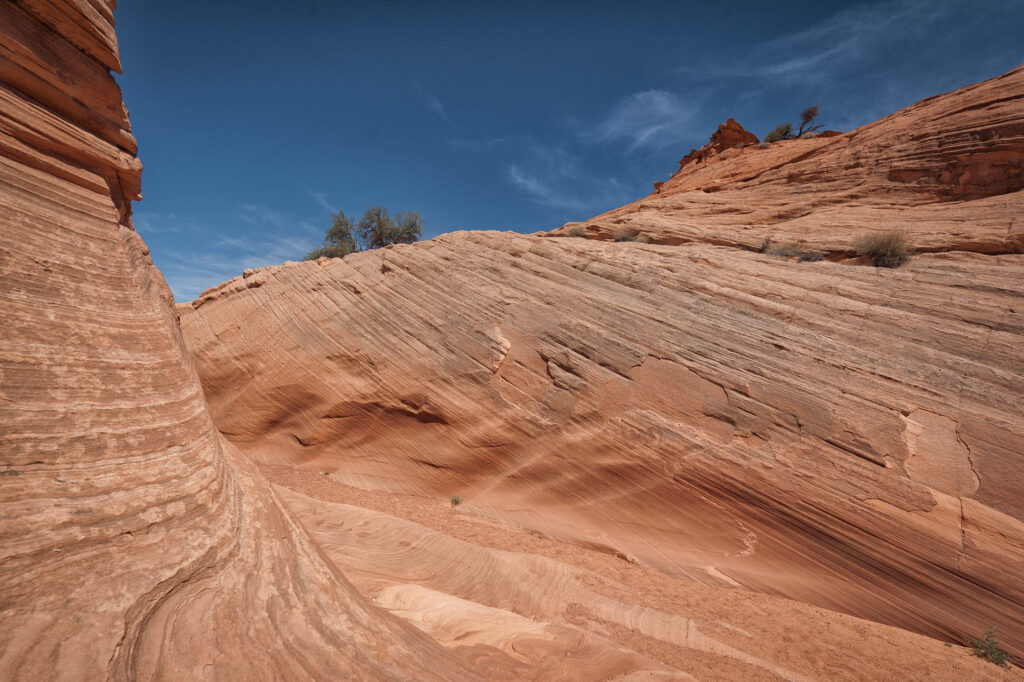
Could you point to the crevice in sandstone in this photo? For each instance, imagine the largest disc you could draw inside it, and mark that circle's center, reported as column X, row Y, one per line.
column 963, row 536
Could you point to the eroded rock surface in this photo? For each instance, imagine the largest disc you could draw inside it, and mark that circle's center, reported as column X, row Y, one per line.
column 844, row 436
column 135, row 542
column 730, row 135
column 634, row 432
column 947, row 170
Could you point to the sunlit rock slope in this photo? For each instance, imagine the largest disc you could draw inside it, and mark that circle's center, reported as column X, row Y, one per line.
column 947, row 170
column 840, row 435
column 135, row 542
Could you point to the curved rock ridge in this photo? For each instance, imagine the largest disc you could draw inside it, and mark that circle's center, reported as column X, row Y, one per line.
column 842, row 436
column 947, row 170
column 135, row 542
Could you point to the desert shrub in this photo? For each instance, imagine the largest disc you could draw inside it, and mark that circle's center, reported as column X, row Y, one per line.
column 988, row 648
column 789, row 250
column 807, row 117
column 455, row 500
column 810, row 257
column 808, row 135
column 576, row 231
column 885, row 249
column 339, row 240
column 764, row 145
column 376, row 228
column 766, row 243
column 624, row 236
column 783, row 131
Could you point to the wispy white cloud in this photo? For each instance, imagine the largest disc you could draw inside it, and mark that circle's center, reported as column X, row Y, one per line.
column 261, row 215
column 552, row 177
column 541, row 191
column 840, row 43
column 189, row 273
column 260, row 236
column 649, row 120
column 431, row 101
column 321, row 199
column 151, row 222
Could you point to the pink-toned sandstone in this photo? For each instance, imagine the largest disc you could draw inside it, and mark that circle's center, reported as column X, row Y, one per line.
column 838, row 434
column 677, row 461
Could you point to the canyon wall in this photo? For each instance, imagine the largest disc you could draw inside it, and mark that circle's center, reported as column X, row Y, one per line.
column 838, row 434
column 664, row 455
column 135, row 542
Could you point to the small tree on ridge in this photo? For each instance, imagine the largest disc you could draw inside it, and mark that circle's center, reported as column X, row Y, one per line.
column 339, row 240
column 784, row 131
column 375, row 229
column 807, row 117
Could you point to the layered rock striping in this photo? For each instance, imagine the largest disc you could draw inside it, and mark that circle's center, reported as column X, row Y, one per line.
column 947, row 171
column 135, row 541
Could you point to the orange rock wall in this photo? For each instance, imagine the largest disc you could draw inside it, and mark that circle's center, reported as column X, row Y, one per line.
column 842, row 435
column 135, row 542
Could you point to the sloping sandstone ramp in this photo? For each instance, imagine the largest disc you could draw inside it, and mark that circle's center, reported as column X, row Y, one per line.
column 135, row 543
column 842, row 435
column 948, row 171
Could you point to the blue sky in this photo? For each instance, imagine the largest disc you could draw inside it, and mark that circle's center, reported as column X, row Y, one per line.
column 256, row 119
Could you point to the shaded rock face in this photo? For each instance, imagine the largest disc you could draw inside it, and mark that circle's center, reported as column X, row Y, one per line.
column 730, row 135
column 135, row 542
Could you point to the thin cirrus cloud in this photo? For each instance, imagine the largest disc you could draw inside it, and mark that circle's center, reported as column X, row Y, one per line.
column 263, row 236
column 851, row 38
column 152, row 223
column 646, row 121
column 322, row 201
column 432, row 102
column 552, row 177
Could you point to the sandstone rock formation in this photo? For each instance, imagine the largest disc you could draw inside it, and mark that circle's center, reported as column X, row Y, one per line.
column 135, row 542
column 670, row 457
column 947, row 170
column 843, row 436
column 730, row 135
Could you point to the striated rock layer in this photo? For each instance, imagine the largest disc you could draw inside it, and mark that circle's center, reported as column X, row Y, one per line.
column 135, row 542
column 844, row 436
column 635, row 431
column 947, row 170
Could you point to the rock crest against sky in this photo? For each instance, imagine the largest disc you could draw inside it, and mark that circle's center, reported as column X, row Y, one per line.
column 262, row 118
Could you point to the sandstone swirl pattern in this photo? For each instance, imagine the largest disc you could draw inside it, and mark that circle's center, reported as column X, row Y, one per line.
column 636, row 431
column 841, row 435
column 135, row 543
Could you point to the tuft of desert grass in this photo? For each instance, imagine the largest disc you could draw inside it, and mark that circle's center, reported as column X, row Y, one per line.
column 889, row 249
